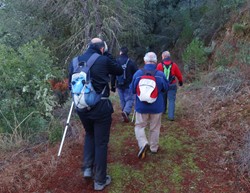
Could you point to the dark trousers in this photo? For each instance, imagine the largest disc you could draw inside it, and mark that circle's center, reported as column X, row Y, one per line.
column 97, row 133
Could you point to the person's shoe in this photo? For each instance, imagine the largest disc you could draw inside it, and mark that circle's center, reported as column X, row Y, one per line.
column 99, row 187
column 171, row 119
column 87, row 173
column 153, row 152
column 125, row 117
column 142, row 152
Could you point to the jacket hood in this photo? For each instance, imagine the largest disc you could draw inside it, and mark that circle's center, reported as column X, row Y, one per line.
column 149, row 66
column 167, row 61
column 93, row 48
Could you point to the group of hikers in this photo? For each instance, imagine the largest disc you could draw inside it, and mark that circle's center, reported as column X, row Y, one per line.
column 129, row 81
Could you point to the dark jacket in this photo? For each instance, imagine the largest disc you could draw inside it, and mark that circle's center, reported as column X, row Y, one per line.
column 130, row 70
column 162, row 85
column 100, row 76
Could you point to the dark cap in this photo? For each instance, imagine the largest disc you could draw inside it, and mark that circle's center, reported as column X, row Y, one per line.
column 124, row 50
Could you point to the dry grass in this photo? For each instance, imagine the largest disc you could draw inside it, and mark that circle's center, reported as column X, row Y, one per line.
column 221, row 109
column 25, row 170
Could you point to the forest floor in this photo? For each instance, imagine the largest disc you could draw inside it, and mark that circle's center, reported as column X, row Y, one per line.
column 198, row 153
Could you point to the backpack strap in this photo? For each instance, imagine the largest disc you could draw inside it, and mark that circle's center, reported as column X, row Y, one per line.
column 125, row 65
column 91, row 61
column 167, row 70
column 87, row 65
column 75, row 63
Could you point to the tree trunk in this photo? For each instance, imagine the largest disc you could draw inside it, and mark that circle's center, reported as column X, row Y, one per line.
column 97, row 18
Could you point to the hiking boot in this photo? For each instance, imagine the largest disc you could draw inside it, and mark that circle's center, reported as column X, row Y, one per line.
column 87, row 173
column 142, row 152
column 125, row 117
column 99, row 186
column 171, row 119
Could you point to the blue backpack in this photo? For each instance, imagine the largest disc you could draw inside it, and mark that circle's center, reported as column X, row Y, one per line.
column 83, row 92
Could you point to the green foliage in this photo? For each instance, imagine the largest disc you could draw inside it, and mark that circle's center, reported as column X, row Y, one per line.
column 176, row 177
column 239, row 28
column 67, row 26
column 21, row 22
column 243, row 56
column 187, row 31
column 55, row 131
column 123, row 175
column 26, row 99
column 194, row 57
column 172, row 144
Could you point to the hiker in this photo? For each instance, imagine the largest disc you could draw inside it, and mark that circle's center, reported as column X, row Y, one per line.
column 122, row 83
column 97, row 120
column 149, row 113
column 170, row 95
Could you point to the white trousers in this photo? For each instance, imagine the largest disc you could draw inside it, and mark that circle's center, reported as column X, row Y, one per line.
column 141, row 122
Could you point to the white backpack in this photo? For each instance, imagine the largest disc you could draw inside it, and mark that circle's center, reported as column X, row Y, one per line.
column 147, row 89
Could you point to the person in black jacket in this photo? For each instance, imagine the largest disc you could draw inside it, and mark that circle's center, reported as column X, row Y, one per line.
column 97, row 120
column 122, row 83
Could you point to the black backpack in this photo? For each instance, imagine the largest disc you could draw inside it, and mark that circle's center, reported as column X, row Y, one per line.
column 122, row 78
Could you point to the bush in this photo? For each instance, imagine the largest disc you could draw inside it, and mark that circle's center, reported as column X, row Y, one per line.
column 55, row 132
column 194, row 58
column 243, row 56
column 26, row 99
column 239, row 28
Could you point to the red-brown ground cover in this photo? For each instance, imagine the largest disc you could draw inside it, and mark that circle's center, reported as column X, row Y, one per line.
column 38, row 169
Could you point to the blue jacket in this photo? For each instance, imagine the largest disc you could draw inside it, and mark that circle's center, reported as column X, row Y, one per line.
column 162, row 85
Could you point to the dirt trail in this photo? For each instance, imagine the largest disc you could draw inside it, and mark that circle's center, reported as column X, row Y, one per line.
column 38, row 169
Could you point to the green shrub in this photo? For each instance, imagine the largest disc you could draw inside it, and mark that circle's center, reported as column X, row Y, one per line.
column 194, row 57
column 239, row 28
column 243, row 56
column 26, row 99
column 55, row 131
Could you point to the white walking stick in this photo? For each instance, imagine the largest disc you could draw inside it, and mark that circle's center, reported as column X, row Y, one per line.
column 133, row 117
column 65, row 130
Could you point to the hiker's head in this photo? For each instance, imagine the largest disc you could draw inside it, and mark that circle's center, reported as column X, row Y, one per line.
column 165, row 54
column 99, row 44
column 150, row 58
column 124, row 50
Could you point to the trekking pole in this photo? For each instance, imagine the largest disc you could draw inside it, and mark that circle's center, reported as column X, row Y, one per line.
column 133, row 116
column 65, row 130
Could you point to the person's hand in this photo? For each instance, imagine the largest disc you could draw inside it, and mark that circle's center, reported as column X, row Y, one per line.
column 180, row 83
column 113, row 89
